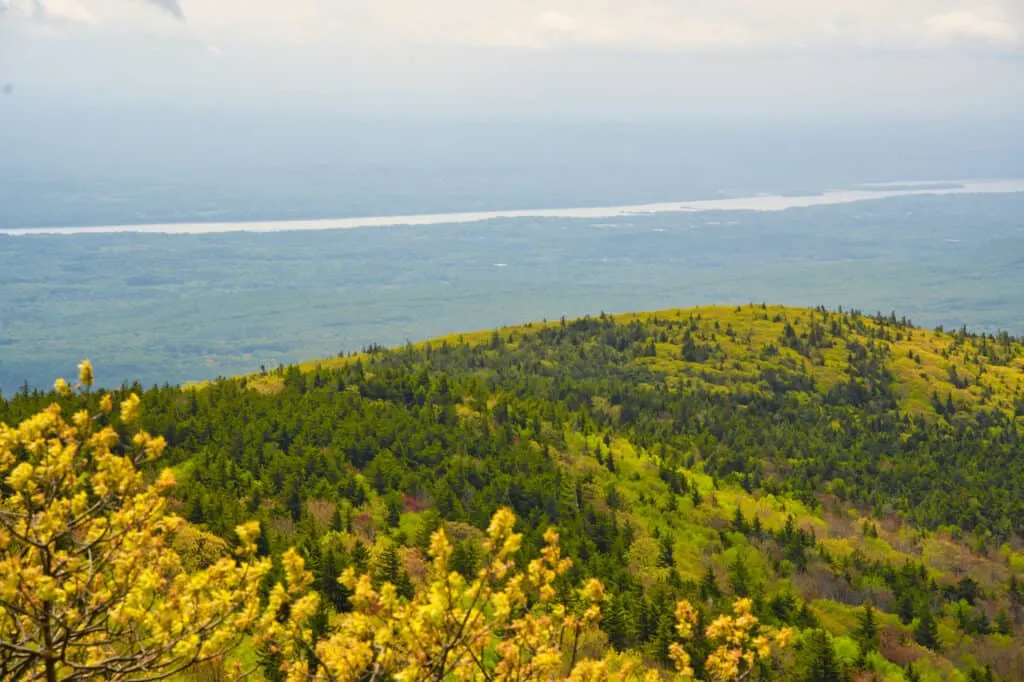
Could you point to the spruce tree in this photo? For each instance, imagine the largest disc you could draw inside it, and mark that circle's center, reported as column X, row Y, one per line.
column 665, row 553
column 1003, row 623
column 905, row 609
column 709, row 589
column 337, row 521
column 739, row 577
column 867, row 629
column 388, row 565
column 817, row 661
column 616, row 623
column 331, row 567
column 927, row 631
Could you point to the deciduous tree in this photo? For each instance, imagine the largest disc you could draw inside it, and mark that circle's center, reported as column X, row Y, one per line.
column 90, row 585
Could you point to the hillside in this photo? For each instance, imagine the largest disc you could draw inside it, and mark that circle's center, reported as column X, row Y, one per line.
column 811, row 460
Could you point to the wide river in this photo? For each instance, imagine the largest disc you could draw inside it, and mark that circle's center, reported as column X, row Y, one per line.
column 754, row 203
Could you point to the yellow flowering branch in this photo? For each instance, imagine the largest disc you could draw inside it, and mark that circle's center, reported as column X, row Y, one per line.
column 89, row 586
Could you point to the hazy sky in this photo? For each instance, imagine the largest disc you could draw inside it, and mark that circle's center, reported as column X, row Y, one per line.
column 532, row 59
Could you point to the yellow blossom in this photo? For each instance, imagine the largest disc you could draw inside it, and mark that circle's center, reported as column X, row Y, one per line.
column 130, row 409
column 85, row 375
column 118, row 571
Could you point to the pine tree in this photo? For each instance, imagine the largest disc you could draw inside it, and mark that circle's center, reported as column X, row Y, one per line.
column 805, row 618
column 665, row 553
column 739, row 524
column 388, row 565
column 568, row 502
column 739, row 577
column 1003, row 623
column 360, row 556
column 709, row 589
column 867, row 629
column 905, row 609
column 330, row 570
column 319, row 624
column 616, row 623
column 395, row 507
column 430, row 522
column 927, row 631
column 985, row 674
column 756, row 530
column 337, row 521
column 1016, row 590
column 817, row 661
column 465, row 558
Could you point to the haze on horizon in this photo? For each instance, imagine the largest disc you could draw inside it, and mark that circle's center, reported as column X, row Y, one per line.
column 277, row 96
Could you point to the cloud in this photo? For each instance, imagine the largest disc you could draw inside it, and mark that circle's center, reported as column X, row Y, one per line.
column 85, row 11
column 644, row 25
column 634, row 25
column 61, row 11
column 172, row 6
column 967, row 26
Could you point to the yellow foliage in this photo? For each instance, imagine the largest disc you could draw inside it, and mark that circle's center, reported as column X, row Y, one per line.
column 98, row 581
column 90, row 585
column 504, row 624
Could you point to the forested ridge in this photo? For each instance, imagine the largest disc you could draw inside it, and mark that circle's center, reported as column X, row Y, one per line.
column 850, row 474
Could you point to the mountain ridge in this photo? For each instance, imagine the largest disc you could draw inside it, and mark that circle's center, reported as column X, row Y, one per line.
column 813, row 461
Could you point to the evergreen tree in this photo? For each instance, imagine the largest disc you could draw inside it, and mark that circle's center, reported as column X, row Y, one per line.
column 739, row 577
column 330, row 569
column 979, row 674
column 360, row 556
column 389, row 569
column 905, row 608
column 337, row 520
column 1016, row 591
column 319, row 624
column 430, row 522
column 1004, row 625
column 568, row 502
column 388, row 565
column 805, row 618
column 665, row 552
column 616, row 623
column 709, row 589
column 755, row 528
column 465, row 558
column 739, row 524
column 817, row 660
column 927, row 631
column 395, row 507
column 867, row 629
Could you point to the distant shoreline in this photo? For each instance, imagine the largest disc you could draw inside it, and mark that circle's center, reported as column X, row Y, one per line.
column 754, row 203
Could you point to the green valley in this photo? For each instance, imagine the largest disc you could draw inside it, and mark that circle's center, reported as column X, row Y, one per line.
column 860, row 479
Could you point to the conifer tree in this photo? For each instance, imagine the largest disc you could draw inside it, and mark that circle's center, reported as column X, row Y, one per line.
column 927, row 631
column 817, row 661
column 709, row 589
column 739, row 577
column 867, row 629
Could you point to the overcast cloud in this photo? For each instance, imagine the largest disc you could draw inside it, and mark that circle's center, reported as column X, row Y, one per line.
column 541, row 58
column 536, row 24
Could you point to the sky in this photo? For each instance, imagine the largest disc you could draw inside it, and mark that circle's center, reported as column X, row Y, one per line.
column 738, row 91
column 542, row 59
